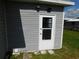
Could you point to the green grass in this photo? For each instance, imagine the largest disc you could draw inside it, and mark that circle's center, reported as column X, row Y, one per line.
column 17, row 56
column 70, row 48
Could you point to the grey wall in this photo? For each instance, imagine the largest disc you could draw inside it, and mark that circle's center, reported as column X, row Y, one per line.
column 3, row 44
column 23, row 24
column 68, row 25
column 15, row 34
column 30, row 24
column 71, row 25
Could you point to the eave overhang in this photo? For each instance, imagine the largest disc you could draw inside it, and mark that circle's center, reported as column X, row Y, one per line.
column 50, row 2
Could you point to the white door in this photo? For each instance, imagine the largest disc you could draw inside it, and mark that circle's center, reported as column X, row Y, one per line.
column 46, row 32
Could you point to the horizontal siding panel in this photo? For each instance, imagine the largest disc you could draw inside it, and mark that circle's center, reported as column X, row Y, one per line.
column 30, row 24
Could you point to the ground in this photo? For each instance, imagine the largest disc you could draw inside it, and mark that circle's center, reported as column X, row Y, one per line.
column 70, row 48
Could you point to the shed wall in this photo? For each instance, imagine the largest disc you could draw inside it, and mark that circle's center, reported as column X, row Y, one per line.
column 28, row 28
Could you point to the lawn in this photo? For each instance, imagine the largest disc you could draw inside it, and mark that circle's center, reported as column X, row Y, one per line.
column 70, row 48
column 17, row 57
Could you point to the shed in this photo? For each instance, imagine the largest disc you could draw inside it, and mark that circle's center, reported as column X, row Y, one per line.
column 31, row 25
column 35, row 25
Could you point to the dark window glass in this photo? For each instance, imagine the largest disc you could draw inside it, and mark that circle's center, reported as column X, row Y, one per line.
column 47, row 22
column 46, row 34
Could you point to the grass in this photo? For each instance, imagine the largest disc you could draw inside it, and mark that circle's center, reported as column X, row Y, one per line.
column 70, row 48
column 17, row 56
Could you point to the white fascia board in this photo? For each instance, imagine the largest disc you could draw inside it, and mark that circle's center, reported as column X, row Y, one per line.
column 59, row 2
column 75, row 20
column 71, row 20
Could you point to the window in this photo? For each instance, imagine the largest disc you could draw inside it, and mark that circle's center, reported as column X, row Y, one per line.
column 46, row 28
column 47, row 22
column 46, row 34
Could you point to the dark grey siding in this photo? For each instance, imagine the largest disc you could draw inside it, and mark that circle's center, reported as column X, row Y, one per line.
column 3, row 44
column 15, row 34
column 68, row 25
column 23, row 25
column 71, row 25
